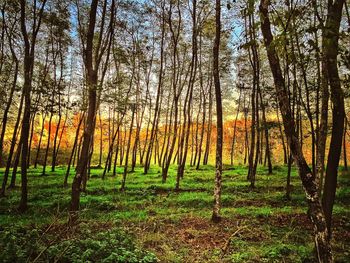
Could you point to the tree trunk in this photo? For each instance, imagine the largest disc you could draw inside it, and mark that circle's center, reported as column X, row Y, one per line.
column 209, row 125
column 12, row 147
column 219, row 140
column 235, row 128
column 39, row 143
column 91, row 75
column 122, row 188
column 15, row 166
column 32, row 122
column 159, row 91
column 47, row 145
column 29, row 50
column 7, row 108
column 188, row 114
column 116, row 153
column 101, row 139
column 266, row 132
column 288, row 187
column 54, row 154
column 330, row 44
column 109, row 157
column 344, row 148
column 60, row 138
column 74, row 149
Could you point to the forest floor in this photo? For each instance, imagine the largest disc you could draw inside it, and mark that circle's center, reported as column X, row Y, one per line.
column 151, row 220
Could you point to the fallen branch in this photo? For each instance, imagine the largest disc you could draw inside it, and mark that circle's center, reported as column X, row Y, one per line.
column 228, row 241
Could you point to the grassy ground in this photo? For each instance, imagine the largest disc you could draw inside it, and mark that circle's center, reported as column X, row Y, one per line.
column 259, row 225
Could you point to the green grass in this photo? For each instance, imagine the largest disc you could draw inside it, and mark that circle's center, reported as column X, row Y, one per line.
column 259, row 225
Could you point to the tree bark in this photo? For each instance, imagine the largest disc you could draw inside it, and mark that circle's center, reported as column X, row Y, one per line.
column 74, row 149
column 219, row 137
column 209, row 125
column 235, row 128
column 48, row 144
column 91, row 75
column 122, row 188
column 330, row 44
column 154, row 128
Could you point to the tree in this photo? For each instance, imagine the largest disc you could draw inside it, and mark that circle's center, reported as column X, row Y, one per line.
column 308, row 179
column 219, row 123
column 330, row 48
column 156, row 114
column 92, row 60
column 29, row 50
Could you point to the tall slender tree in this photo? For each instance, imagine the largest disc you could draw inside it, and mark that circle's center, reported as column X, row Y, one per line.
column 93, row 52
column 317, row 216
column 219, row 123
column 330, row 48
column 29, row 52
